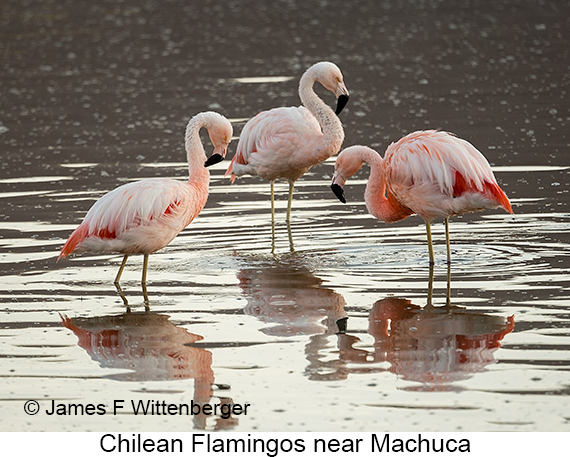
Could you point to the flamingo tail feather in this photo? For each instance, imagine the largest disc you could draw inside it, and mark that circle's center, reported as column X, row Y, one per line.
column 76, row 237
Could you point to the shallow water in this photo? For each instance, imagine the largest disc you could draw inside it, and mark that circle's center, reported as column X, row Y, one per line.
column 326, row 329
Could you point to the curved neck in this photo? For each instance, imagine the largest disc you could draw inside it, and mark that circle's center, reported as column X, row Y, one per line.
column 194, row 148
column 380, row 202
column 333, row 133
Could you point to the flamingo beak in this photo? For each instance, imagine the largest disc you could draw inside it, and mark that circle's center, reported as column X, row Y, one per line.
column 338, row 191
column 341, row 102
column 213, row 159
column 217, row 156
column 337, row 184
column 341, row 325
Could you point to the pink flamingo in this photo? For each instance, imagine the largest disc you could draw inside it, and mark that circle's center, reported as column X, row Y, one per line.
column 429, row 173
column 143, row 217
column 285, row 142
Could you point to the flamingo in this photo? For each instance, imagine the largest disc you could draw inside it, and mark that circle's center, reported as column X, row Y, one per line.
column 429, row 173
column 145, row 216
column 285, row 142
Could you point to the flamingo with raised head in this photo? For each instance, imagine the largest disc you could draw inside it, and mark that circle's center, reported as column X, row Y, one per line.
column 285, row 142
column 429, row 173
column 145, row 216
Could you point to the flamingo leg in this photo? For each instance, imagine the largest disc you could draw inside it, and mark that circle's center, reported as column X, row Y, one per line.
column 122, row 295
column 447, row 240
column 290, row 201
column 121, row 268
column 291, row 245
column 448, row 297
column 272, row 204
column 145, row 269
column 145, row 298
column 430, row 244
column 272, row 217
column 430, row 287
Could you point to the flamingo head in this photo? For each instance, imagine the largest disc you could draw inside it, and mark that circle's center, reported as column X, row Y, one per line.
column 339, row 89
column 330, row 76
column 348, row 162
column 220, row 132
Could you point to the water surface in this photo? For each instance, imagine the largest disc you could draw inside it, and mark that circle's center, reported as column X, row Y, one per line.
column 327, row 330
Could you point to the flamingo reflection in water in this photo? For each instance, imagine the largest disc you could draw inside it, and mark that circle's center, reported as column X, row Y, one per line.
column 435, row 346
column 286, row 293
column 151, row 348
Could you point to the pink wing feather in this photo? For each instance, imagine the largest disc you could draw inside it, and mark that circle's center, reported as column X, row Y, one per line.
column 279, row 131
column 133, row 205
column 453, row 164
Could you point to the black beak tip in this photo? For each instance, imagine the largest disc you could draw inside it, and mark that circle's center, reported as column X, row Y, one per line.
column 341, row 103
column 342, row 325
column 213, row 159
column 339, row 192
